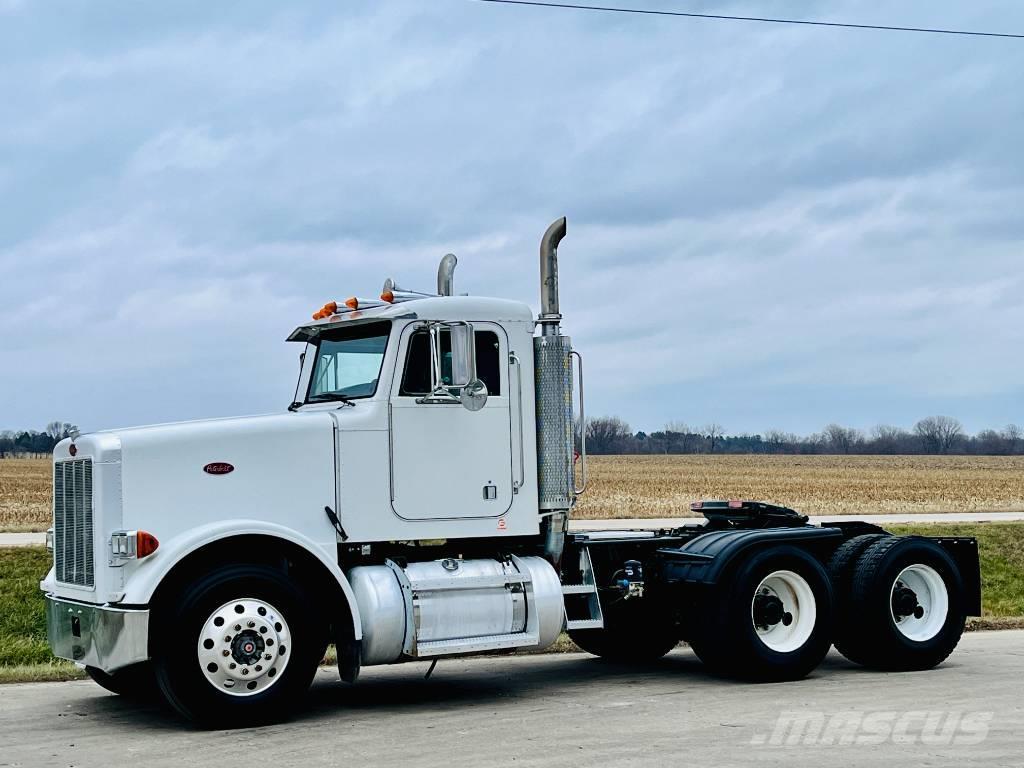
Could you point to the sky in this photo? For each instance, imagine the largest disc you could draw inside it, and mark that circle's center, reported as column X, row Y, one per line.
column 770, row 227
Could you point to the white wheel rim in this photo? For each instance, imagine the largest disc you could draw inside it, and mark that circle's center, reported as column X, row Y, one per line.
column 932, row 602
column 244, row 647
column 799, row 608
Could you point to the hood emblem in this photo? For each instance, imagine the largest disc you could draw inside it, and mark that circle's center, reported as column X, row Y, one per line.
column 218, row 468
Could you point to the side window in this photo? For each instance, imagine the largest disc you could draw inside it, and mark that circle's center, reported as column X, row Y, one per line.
column 416, row 377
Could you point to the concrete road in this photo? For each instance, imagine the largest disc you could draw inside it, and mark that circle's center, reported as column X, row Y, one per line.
column 37, row 539
column 563, row 710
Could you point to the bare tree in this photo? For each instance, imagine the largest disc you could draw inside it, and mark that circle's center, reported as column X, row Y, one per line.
column 939, row 433
column 778, row 441
column 606, row 434
column 1014, row 437
column 677, row 437
column 888, row 439
column 841, row 439
column 712, row 433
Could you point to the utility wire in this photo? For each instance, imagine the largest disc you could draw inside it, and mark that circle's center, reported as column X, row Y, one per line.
column 722, row 17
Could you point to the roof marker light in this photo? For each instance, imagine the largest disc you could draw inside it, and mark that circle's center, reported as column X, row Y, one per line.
column 352, row 302
column 388, row 296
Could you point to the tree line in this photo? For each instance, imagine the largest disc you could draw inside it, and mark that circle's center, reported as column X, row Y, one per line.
column 931, row 435
column 29, row 442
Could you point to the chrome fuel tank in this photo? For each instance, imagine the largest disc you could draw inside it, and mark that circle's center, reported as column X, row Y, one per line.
column 453, row 606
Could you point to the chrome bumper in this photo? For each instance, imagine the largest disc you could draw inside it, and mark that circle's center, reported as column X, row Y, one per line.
column 95, row 635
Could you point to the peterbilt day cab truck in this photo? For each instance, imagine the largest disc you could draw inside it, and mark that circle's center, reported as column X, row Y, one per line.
column 412, row 503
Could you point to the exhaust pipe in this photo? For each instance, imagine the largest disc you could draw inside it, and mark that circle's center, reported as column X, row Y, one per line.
column 553, row 381
column 446, row 275
column 549, row 315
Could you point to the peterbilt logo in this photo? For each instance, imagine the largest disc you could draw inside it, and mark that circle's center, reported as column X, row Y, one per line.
column 218, row 468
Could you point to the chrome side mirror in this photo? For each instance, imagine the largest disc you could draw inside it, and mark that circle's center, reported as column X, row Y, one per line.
column 453, row 376
column 474, row 395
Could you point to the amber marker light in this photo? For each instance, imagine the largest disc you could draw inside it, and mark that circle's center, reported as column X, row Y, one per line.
column 388, row 296
column 352, row 302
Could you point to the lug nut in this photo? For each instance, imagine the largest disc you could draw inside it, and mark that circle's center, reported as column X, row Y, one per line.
column 267, row 657
column 225, row 652
column 227, row 638
column 238, row 627
column 259, row 668
column 232, row 665
column 251, row 624
column 245, row 670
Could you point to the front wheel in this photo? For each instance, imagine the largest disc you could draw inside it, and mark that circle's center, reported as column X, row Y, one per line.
column 238, row 648
column 772, row 620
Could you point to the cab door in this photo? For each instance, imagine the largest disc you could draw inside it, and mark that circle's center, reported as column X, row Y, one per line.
column 447, row 461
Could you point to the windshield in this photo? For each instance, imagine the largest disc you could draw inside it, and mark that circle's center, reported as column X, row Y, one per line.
column 348, row 363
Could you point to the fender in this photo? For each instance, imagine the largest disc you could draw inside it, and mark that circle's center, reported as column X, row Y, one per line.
column 146, row 575
column 706, row 558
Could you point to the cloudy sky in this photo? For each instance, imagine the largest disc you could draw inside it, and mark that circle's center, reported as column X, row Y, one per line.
column 769, row 226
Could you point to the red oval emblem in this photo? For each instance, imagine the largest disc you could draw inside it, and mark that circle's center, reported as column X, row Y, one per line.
column 218, row 468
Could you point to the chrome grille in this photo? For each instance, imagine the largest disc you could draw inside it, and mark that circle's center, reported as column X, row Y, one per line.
column 72, row 522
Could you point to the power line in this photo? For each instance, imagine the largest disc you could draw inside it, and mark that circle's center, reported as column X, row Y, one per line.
column 722, row 17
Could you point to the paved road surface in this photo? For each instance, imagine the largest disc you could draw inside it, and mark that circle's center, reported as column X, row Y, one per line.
column 561, row 710
column 35, row 539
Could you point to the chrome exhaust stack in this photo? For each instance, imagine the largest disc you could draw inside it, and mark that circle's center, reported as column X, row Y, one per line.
column 446, row 275
column 553, row 378
column 549, row 314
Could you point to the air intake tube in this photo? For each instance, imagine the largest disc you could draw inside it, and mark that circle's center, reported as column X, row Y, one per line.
column 553, row 380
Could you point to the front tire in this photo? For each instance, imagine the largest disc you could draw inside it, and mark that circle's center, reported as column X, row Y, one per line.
column 771, row 621
column 908, row 606
column 238, row 648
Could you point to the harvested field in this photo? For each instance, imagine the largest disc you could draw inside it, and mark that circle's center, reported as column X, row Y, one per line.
column 25, row 490
column 664, row 486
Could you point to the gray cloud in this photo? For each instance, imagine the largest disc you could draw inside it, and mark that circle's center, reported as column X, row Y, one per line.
column 769, row 226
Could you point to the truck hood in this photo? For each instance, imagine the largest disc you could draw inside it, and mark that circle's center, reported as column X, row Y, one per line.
column 174, row 477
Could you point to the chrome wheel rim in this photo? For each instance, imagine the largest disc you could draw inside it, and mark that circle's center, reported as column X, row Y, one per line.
column 244, row 647
column 919, row 602
column 784, row 611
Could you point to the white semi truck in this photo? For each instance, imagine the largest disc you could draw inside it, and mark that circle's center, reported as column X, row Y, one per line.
column 412, row 503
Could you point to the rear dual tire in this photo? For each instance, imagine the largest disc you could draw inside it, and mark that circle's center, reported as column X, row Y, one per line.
column 771, row 621
column 902, row 600
column 635, row 631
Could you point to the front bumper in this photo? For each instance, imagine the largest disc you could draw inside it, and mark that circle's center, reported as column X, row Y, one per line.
column 96, row 635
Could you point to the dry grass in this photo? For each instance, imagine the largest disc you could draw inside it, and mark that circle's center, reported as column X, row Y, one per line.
column 664, row 486
column 25, row 490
